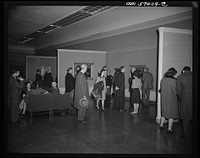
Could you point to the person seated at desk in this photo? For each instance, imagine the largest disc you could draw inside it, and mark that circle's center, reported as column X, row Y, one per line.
column 54, row 88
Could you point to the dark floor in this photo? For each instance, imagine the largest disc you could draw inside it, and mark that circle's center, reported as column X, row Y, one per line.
column 109, row 132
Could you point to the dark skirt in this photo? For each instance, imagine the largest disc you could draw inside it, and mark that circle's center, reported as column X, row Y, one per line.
column 135, row 95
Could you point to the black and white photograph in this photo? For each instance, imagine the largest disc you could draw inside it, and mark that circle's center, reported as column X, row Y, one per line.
column 101, row 78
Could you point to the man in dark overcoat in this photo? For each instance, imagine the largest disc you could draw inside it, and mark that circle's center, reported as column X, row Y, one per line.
column 120, row 89
column 69, row 85
column 81, row 91
column 147, row 85
column 69, row 81
column 16, row 84
column 109, row 79
column 184, row 90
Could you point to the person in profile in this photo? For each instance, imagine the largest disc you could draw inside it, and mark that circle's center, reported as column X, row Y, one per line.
column 81, row 94
column 117, row 70
column 109, row 79
column 77, row 69
column 70, row 84
column 120, row 89
column 184, row 90
column 16, row 84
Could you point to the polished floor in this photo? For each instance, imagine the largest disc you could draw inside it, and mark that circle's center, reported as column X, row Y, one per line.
column 105, row 132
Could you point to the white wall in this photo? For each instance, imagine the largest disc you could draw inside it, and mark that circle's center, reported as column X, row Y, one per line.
column 67, row 58
column 35, row 62
column 175, row 50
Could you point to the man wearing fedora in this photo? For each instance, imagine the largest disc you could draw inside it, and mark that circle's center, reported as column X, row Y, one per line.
column 81, row 94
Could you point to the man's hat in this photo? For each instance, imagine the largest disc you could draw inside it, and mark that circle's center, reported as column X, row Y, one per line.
column 84, row 102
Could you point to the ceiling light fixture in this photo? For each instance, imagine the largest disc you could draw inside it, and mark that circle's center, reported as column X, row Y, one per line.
column 71, row 19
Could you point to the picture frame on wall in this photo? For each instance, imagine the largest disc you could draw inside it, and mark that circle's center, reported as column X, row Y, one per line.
column 88, row 73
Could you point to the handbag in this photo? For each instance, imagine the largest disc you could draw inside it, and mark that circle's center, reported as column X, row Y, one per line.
column 96, row 94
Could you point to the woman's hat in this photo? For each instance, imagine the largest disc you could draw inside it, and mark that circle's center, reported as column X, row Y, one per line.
column 84, row 102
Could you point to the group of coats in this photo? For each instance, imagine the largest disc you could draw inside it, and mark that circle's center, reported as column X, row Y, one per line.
column 176, row 94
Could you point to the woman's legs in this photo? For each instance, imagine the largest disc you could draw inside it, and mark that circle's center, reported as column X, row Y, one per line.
column 97, row 103
column 24, row 109
column 21, row 105
column 102, row 102
column 162, row 121
column 170, row 123
column 136, row 106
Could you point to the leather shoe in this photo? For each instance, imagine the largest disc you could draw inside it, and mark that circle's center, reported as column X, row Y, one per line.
column 170, row 131
column 161, row 128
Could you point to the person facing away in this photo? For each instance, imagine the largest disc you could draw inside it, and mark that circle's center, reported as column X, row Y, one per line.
column 169, row 103
column 120, row 89
column 81, row 91
column 132, row 71
column 101, row 78
column 184, row 90
column 136, row 92
column 15, row 84
column 147, row 85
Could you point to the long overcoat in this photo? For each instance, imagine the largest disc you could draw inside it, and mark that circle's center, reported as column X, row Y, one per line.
column 184, row 89
column 169, row 103
column 148, row 80
column 120, row 94
column 69, row 83
column 14, row 95
column 81, row 89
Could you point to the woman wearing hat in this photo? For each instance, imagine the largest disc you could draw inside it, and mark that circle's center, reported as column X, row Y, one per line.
column 169, row 104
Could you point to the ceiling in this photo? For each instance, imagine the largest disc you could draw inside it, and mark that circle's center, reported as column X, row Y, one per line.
column 24, row 20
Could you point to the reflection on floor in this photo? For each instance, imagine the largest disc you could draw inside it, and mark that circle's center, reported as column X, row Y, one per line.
column 109, row 132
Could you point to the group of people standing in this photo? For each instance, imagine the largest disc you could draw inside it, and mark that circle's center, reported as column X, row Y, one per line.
column 176, row 94
column 139, row 89
column 77, row 87
column 176, row 99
